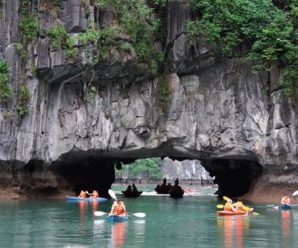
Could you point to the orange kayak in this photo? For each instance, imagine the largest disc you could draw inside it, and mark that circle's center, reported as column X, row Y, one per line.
column 227, row 213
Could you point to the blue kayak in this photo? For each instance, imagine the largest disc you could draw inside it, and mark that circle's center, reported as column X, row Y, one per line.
column 117, row 218
column 88, row 199
column 285, row 207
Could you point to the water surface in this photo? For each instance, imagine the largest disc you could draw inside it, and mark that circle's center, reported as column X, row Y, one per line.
column 186, row 222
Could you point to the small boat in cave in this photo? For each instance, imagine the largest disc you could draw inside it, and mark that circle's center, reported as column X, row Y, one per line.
column 164, row 188
column 176, row 192
column 132, row 191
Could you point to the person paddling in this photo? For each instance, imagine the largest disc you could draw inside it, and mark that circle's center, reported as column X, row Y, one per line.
column 83, row 194
column 240, row 206
column 94, row 194
column 229, row 206
column 118, row 208
column 285, row 200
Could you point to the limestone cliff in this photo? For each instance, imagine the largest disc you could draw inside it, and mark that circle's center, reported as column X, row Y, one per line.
column 84, row 117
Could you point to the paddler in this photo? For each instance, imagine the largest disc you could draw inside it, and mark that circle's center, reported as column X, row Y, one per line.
column 118, row 208
column 94, row 194
column 240, row 206
column 285, row 200
column 83, row 194
column 229, row 206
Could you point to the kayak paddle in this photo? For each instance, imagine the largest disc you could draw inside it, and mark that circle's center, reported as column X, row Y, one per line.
column 295, row 193
column 220, row 206
column 112, row 194
column 100, row 213
column 226, row 198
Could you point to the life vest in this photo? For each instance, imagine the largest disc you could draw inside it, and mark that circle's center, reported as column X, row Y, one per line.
column 228, row 206
column 83, row 195
column 239, row 206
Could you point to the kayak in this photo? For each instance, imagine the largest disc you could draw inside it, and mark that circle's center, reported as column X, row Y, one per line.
column 88, row 199
column 285, row 207
column 117, row 218
column 132, row 193
column 229, row 213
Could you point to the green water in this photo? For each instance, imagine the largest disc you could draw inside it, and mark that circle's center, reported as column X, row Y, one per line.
column 187, row 222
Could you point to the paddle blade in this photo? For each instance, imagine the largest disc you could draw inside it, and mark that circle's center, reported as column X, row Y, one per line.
column 246, row 208
column 295, row 193
column 226, row 198
column 255, row 213
column 220, row 206
column 139, row 215
column 112, row 194
column 99, row 213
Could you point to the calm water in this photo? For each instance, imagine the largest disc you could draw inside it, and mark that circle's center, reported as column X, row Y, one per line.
column 187, row 222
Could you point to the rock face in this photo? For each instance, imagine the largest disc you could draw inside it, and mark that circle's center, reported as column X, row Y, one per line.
column 239, row 124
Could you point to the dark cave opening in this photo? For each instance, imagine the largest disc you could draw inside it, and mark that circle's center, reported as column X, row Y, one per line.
column 89, row 174
column 234, row 177
column 80, row 171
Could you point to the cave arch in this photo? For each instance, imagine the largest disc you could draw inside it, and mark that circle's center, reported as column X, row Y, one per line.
column 234, row 177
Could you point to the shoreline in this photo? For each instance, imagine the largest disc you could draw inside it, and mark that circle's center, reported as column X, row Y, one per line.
column 264, row 195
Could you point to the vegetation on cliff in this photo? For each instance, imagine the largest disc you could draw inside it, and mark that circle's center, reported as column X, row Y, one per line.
column 149, row 168
column 264, row 31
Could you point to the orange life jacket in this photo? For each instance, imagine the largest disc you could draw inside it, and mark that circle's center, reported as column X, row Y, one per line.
column 83, row 195
column 228, row 206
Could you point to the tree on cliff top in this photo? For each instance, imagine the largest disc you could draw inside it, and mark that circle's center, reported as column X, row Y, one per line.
column 263, row 30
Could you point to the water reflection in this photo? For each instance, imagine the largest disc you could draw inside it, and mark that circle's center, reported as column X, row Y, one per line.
column 82, row 206
column 118, row 234
column 115, row 234
column 95, row 205
column 286, row 220
column 233, row 229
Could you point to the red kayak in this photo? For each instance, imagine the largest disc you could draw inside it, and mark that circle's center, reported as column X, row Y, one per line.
column 229, row 213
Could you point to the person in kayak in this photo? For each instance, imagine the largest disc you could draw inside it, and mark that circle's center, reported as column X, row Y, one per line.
column 118, row 208
column 134, row 188
column 94, row 194
column 240, row 206
column 229, row 206
column 83, row 194
column 285, row 200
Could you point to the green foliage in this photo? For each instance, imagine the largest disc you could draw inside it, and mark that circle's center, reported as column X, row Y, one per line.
column 149, row 168
column 8, row 114
column 29, row 22
column 60, row 37
column 29, row 26
column 5, row 89
column 163, row 93
column 137, row 19
column 56, row 3
column 24, row 98
column 269, row 31
column 20, row 50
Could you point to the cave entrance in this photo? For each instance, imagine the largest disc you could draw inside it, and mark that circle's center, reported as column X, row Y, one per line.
column 88, row 173
column 234, row 177
column 153, row 170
